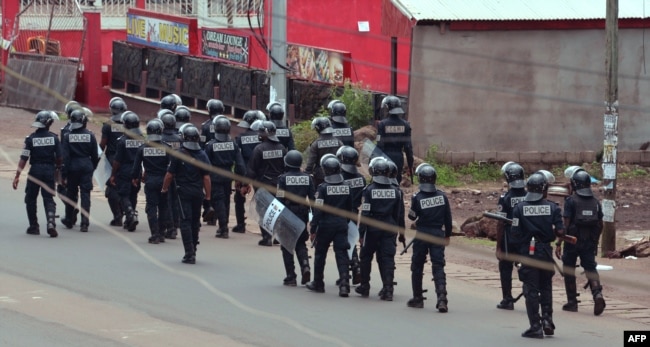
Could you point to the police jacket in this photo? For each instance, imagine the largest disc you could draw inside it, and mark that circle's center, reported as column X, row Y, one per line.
column 324, row 144
column 357, row 183
column 172, row 138
column 111, row 131
column 507, row 202
column 332, row 195
column 538, row 219
column 297, row 183
column 207, row 131
column 127, row 148
column 247, row 142
column 41, row 148
column 266, row 162
column 66, row 129
column 432, row 212
column 188, row 177
column 79, row 151
column 286, row 137
column 393, row 138
column 225, row 154
column 381, row 202
column 153, row 157
column 585, row 215
column 344, row 133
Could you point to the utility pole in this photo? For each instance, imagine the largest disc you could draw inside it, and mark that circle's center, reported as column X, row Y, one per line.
column 278, row 14
column 610, row 142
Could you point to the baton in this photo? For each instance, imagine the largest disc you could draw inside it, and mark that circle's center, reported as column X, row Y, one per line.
column 407, row 247
column 517, row 298
column 411, row 172
column 566, row 238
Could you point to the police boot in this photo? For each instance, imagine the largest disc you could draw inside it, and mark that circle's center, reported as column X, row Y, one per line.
column 571, row 294
column 222, row 233
column 33, row 229
column 304, row 269
column 51, row 224
column 190, row 253
column 356, row 271
column 116, row 210
column 266, row 239
column 344, row 287
column 363, row 289
column 441, row 305
column 290, row 280
column 171, row 232
column 239, row 228
column 83, row 227
column 418, row 300
column 534, row 332
column 387, row 293
column 131, row 219
column 508, row 302
column 318, row 287
column 547, row 320
column 599, row 300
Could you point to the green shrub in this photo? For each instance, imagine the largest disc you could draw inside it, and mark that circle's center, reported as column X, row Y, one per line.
column 303, row 135
column 358, row 103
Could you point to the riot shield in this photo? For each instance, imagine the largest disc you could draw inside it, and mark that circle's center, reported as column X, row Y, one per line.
column 353, row 237
column 277, row 220
column 102, row 172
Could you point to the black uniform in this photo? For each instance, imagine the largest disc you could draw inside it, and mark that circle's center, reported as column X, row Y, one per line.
column 324, row 144
column 125, row 157
column 380, row 202
column 112, row 130
column 539, row 219
column 357, row 183
column 80, row 160
column 223, row 155
column 42, row 149
column 506, row 244
column 343, row 132
column 285, row 136
column 207, row 131
column 393, row 138
column 302, row 185
column 173, row 139
column 154, row 159
column 246, row 142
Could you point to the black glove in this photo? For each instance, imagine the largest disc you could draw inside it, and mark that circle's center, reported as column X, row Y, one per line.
column 401, row 238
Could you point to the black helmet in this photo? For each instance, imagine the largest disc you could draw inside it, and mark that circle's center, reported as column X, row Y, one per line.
column 221, row 128
column 276, row 114
column 154, row 130
column 179, row 101
column 550, row 178
column 215, row 107
column 348, row 156
column 331, row 103
column 78, row 119
column 332, row 170
column 427, row 177
column 162, row 112
column 536, row 186
column 380, row 170
column 117, row 106
column 392, row 104
column 260, row 115
column 581, row 182
column 372, row 163
column 392, row 172
column 130, row 120
column 322, row 125
column 248, row 119
column 325, row 157
column 338, row 113
column 169, row 121
column 183, row 115
column 71, row 106
column 88, row 112
column 514, row 174
column 44, row 119
column 293, row 159
column 267, row 131
column 191, row 137
column 169, row 102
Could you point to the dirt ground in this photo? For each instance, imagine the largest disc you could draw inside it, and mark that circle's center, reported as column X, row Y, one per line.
column 628, row 280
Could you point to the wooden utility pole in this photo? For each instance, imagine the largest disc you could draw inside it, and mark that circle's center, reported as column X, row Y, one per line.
column 610, row 142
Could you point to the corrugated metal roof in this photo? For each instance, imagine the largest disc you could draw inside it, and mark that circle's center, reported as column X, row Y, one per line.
column 504, row 10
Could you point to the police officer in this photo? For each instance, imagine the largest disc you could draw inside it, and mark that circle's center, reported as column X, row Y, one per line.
column 80, row 159
column 171, row 137
column 381, row 202
column 394, row 135
column 121, row 177
column 536, row 221
column 506, row 247
column 348, row 156
column 276, row 115
column 169, row 102
column 215, row 108
column 342, row 130
column 246, row 141
column 112, row 130
column 324, row 144
column 153, row 156
column 60, row 188
column 42, row 149
column 193, row 185
column 431, row 210
column 266, row 164
column 300, row 185
column 584, row 216
column 224, row 154
column 183, row 116
column 327, row 228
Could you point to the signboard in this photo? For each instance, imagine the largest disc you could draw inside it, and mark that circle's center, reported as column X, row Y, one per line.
column 224, row 46
column 154, row 31
column 315, row 64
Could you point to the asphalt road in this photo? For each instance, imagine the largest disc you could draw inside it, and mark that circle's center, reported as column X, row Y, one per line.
column 109, row 287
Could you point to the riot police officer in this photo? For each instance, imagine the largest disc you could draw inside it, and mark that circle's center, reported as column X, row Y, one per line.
column 60, row 188
column 182, row 115
column 224, row 154
column 169, row 102
column 112, row 130
column 276, row 115
column 80, row 160
column 215, row 108
column 42, row 149
column 536, row 221
column 327, row 228
column 506, row 247
column 127, row 147
column 193, row 185
column 583, row 214
column 171, row 137
column 324, row 144
column 381, row 202
column 394, row 135
column 301, row 185
column 342, row 130
column 153, row 156
column 266, row 164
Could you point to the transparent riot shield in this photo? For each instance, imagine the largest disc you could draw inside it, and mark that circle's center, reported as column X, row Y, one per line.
column 279, row 221
column 353, row 237
column 102, row 172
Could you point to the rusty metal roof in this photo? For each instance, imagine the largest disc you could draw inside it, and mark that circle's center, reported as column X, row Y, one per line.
column 508, row 10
